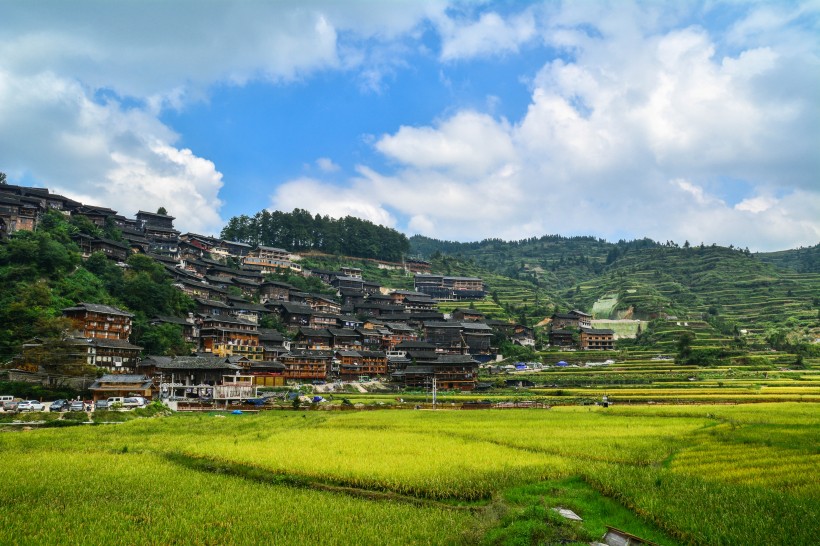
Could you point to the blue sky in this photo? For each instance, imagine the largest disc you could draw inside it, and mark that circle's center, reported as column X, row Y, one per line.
column 690, row 121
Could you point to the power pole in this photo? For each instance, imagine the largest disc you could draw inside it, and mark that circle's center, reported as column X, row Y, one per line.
column 434, row 392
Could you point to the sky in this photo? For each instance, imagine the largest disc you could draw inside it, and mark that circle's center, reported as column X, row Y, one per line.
column 685, row 121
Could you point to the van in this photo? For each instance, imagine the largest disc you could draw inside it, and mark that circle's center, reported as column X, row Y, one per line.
column 4, row 398
column 134, row 402
column 115, row 400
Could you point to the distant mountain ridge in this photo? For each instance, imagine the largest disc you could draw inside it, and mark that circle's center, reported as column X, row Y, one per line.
column 732, row 288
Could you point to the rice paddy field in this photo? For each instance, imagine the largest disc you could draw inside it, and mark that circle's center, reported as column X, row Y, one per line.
column 673, row 474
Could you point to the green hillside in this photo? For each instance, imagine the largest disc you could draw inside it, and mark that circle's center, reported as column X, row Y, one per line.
column 552, row 261
column 730, row 289
column 762, row 298
column 802, row 260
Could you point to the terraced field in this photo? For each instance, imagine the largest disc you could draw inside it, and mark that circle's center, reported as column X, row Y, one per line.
column 672, row 474
column 718, row 282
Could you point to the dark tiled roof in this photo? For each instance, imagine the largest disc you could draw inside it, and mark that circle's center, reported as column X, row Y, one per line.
column 198, row 362
column 114, row 343
column 98, row 308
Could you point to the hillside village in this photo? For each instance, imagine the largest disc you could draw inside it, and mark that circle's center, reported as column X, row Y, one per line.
column 248, row 329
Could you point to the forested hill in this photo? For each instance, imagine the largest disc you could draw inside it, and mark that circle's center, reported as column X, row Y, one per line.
column 554, row 260
column 733, row 287
column 802, row 260
column 299, row 230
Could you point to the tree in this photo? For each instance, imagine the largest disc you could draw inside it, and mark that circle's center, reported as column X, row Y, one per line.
column 162, row 211
column 3, row 179
column 684, row 347
column 163, row 339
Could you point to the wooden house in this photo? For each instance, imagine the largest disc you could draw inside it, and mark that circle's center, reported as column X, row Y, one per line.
column 562, row 338
column 314, row 339
column 114, row 250
column 99, row 321
column 354, row 364
column 208, row 307
column 597, row 339
column 345, row 339
column 450, row 372
column 307, row 365
column 190, row 329
column 468, row 315
column 226, row 336
column 445, row 288
column 274, row 291
column 115, row 355
column 584, row 319
column 323, row 304
column 154, row 220
column 293, row 315
column 477, row 336
column 121, row 385
column 446, row 336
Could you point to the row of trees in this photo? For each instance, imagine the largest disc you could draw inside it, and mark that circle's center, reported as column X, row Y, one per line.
column 299, row 230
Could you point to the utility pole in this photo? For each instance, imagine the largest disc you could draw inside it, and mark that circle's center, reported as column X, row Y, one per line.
column 434, row 392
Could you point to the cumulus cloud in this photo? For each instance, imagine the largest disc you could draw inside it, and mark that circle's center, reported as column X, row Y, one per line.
column 635, row 118
column 57, row 60
column 631, row 131
column 101, row 154
column 325, row 200
column 327, row 165
column 491, row 34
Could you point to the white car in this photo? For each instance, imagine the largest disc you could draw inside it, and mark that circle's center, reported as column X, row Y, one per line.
column 30, row 405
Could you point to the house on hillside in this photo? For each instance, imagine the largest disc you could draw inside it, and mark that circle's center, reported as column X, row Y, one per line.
column 190, row 329
column 99, row 321
column 562, row 338
column 275, row 291
column 465, row 314
column 314, row 339
column 445, row 288
column 307, row 365
column 446, row 336
column 597, row 339
column 229, row 336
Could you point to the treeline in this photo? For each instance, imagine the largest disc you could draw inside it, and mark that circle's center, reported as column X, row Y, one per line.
column 299, row 230
column 426, row 246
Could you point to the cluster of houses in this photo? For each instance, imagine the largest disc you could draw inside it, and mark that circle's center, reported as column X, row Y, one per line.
column 574, row 330
column 355, row 329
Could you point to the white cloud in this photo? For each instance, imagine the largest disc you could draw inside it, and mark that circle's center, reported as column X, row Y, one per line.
column 638, row 102
column 634, row 99
column 323, row 199
column 756, row 204
column 56, row 59
column 468, row 143
column 491, row 34
column 327, row 165
column 102, row 154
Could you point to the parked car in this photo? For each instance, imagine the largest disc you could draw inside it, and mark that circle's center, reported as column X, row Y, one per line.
column 77, row 405
column 59, row 405
column 101, row 405
column 134, row 402
column 10, row 405
column 30, row 405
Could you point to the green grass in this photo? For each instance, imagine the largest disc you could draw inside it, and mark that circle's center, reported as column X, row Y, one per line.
column 674, row 474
